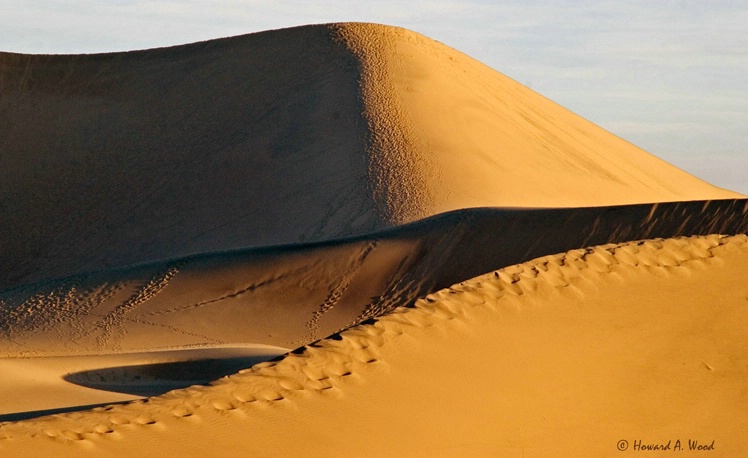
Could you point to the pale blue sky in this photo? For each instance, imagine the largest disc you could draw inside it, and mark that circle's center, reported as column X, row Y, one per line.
column 668, row 76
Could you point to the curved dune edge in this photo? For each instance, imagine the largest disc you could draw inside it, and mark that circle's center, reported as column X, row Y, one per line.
column 564, row 355
column 290, row 296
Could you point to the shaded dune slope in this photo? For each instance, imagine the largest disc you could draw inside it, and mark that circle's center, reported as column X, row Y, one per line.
column 297, row 135
column 290, row 296
column 550, row 351
column 113, row 159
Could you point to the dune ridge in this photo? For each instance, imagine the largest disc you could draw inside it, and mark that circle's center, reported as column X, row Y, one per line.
column 376, row 359
column 290, row 296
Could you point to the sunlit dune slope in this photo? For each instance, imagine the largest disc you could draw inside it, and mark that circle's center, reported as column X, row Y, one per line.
column 563, row 356
column 295, row 135
column 464, row 135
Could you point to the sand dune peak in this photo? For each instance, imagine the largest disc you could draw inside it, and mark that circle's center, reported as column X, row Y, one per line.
column 301, row 134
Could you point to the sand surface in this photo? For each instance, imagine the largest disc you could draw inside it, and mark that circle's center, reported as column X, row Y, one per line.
column 350, row 239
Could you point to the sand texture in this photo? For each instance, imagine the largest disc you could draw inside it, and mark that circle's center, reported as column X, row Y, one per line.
column 351, row 240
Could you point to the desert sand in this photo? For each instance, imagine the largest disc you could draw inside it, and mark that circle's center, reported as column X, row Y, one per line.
column 350, row 239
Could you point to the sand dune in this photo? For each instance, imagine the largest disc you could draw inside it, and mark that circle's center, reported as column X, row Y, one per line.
column 565, row 355
column 301, row 135
column 385, row 218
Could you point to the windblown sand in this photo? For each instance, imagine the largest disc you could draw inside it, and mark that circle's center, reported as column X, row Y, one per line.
column 386, row 220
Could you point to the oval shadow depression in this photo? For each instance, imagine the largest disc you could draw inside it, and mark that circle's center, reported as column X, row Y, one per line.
column 159, row 378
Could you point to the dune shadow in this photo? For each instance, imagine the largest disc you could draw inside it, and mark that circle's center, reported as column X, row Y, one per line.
column 159, row 378
column 29, row 414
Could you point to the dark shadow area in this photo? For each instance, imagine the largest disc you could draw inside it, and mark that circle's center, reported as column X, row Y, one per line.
column 155, row 379
column 18, row 416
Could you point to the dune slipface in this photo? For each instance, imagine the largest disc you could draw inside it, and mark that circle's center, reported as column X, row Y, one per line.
column 388, row 220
